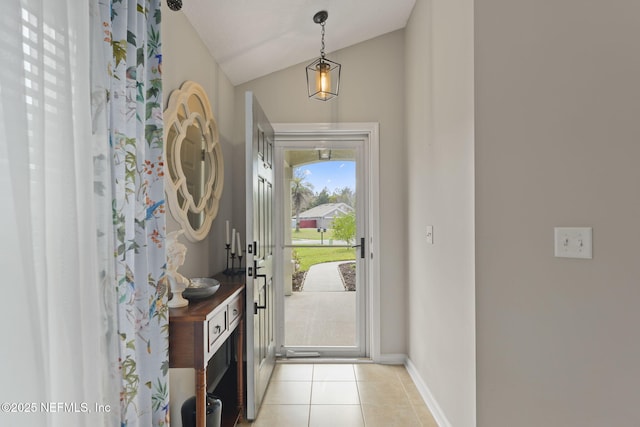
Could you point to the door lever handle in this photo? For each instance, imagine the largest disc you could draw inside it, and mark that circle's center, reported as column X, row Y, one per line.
column 361, row 246
column 256, row 276
column 257, row 307
column 257, row 267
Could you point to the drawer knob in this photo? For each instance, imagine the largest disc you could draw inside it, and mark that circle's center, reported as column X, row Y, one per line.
column 217, row 329
column 235, row 311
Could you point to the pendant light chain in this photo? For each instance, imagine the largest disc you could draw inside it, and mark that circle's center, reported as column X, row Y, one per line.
column 322, row 48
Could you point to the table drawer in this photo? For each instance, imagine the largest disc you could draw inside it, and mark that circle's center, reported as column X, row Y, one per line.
column 217, row 327
column 235, row 309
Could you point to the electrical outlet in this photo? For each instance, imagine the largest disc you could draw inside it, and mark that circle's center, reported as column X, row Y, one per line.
column 573, row 242
column 430, row 234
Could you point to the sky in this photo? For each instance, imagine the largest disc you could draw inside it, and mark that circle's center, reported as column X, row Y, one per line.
column 331, row 174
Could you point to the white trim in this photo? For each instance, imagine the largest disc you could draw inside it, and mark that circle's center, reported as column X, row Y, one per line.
column 391, row 359
column 370, row 130
column 427, row 396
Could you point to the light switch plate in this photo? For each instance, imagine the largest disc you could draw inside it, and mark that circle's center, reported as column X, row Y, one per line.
column 573, row 242
column 430, row 234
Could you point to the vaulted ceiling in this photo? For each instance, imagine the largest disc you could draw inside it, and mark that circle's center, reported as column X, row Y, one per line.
column 253, row 38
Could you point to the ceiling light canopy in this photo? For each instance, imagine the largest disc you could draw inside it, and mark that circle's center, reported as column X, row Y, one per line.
column 323, row 75
column 174, row 5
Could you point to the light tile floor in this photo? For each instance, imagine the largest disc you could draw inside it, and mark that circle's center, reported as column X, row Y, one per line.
column 342, row 395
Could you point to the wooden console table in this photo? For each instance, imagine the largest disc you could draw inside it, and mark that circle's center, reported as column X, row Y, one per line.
column 198, row 330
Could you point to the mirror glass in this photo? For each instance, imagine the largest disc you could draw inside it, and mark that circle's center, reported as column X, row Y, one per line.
column 194, row 170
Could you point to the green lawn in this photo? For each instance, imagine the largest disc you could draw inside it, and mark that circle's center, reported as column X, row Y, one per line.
column 310, row 234
column 312, row 256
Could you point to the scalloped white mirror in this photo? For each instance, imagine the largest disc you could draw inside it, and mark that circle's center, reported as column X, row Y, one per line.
column 194, row 169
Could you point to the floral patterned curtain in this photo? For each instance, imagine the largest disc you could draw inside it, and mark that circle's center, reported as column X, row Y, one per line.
column 131, row 36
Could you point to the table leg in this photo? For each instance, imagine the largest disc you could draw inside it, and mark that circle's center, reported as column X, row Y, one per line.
column 201, row 397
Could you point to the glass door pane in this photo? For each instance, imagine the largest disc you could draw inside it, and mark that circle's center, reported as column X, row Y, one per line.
column 321, row 309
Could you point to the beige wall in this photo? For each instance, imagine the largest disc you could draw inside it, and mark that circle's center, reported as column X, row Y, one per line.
column 371, row 90
column 439, row 121
column 557, row 144
column 185, row 57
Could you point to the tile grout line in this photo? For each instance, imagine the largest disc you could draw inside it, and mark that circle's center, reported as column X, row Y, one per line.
column 355, row 377
column 355, row 382
column 411, row 404
column 313, row 375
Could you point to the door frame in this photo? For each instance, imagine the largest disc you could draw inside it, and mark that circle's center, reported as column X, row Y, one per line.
column 369, row 133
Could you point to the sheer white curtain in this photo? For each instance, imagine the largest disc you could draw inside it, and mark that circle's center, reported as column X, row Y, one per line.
column 58, row 338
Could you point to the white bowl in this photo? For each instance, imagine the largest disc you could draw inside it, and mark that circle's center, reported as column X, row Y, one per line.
column 201, row 287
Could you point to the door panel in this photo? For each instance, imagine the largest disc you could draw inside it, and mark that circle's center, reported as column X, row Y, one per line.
column 260, row 309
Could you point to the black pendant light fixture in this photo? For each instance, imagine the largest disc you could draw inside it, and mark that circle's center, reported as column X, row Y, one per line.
column 174, row 5
column 323, row 75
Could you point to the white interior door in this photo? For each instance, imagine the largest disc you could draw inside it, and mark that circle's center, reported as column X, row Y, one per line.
column 260, row 288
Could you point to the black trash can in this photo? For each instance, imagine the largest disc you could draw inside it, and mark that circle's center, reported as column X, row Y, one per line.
column 214, row 411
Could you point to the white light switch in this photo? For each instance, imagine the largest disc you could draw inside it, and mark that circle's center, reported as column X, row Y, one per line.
column 430, row 234
column 573, row 242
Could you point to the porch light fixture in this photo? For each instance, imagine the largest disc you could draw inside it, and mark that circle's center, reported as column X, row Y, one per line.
column 323, row 75
column 324, row 154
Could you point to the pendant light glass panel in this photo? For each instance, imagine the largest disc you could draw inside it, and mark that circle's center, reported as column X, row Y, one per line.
column 323, row 79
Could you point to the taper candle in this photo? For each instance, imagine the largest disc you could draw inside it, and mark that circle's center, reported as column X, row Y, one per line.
column 228, row 232
column 233, row 242
column 239, row 244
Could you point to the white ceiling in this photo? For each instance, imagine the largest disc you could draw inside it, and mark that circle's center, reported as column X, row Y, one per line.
column 252, row 38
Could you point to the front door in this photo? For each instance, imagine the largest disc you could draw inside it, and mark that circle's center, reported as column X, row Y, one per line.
column 260, row 289
column 322, row 271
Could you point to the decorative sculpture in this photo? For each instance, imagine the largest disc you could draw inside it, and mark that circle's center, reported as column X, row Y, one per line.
column 176, row 253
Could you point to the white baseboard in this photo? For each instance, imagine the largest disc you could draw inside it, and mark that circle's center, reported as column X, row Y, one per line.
column 390, row 359
column 427, row 396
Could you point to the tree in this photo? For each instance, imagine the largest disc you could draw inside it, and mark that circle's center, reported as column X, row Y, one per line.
column 344, row 227
column 301, row 193
column 321, row 198
column 344, row 195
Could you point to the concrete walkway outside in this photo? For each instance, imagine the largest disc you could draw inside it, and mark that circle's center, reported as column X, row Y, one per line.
column 324, row 313
column 323, row 277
